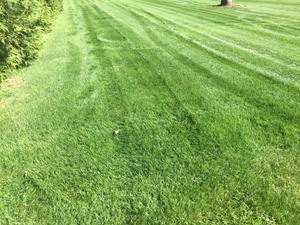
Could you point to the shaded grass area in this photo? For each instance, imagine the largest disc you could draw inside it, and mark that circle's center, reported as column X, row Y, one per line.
column 208, row 118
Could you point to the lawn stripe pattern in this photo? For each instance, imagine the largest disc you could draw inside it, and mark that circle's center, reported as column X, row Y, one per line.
column 205, row 101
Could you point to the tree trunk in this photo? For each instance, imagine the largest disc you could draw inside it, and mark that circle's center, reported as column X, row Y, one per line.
column 226, row 2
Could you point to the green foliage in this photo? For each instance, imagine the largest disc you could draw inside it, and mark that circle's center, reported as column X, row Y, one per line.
column 22, row 22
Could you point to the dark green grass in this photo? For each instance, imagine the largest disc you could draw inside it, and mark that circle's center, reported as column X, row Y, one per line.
column 206, row 100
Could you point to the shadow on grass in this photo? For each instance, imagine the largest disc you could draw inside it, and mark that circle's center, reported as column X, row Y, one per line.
column 227, row 6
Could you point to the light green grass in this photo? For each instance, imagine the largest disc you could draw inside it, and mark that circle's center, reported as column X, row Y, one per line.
column 206, row 100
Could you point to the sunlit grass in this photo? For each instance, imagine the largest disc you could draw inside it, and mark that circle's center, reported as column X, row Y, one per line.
column 206, row 101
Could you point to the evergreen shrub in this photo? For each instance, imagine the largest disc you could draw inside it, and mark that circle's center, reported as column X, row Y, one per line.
column 22, row 23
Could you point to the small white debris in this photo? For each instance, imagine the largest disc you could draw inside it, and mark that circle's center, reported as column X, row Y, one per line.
column 25, row 174
column 116, row 132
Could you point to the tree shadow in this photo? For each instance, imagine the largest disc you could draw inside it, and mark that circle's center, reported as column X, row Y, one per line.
column 227, row 6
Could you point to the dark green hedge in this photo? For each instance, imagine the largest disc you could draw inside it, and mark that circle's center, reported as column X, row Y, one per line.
column 22, row 23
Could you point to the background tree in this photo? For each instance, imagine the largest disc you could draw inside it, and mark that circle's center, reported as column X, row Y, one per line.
column 226, row 2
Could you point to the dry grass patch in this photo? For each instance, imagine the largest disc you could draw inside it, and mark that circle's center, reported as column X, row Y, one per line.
column 8, row 85
column 12, row 83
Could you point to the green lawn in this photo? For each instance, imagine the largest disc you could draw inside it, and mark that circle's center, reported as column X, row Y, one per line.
column 206, row 100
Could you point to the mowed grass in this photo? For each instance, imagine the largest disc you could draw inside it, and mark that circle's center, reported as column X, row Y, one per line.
column 206, row 100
